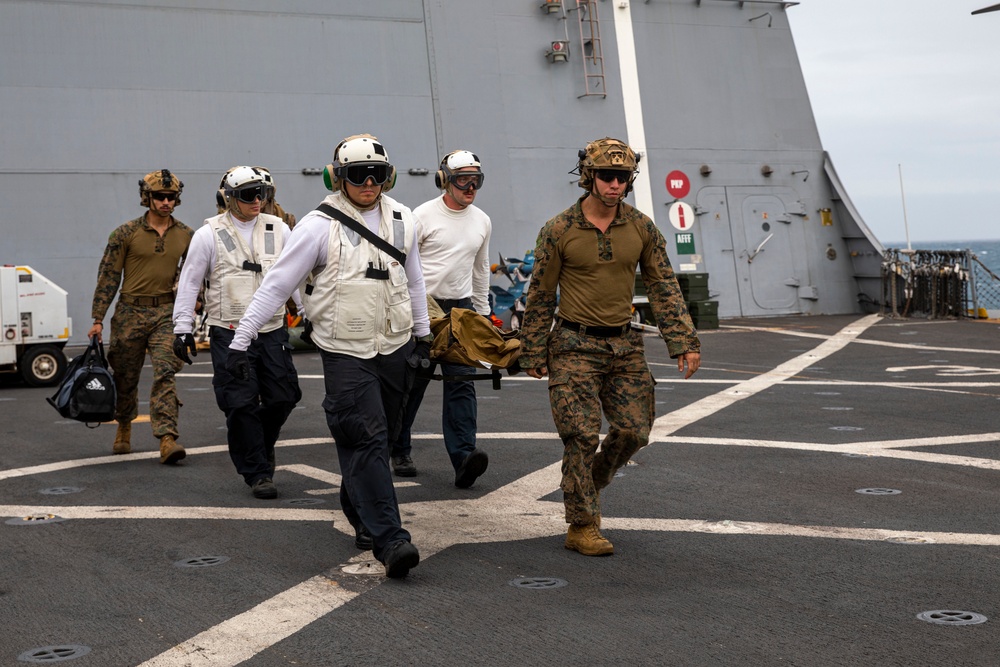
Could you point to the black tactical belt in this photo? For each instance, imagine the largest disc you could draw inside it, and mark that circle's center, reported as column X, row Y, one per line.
column 149, row 301
column 599, row 332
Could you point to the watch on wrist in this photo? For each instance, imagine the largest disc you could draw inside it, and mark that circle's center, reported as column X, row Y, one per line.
column 429, row 338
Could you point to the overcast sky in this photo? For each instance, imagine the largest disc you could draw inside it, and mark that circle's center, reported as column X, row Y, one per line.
column 913, row 83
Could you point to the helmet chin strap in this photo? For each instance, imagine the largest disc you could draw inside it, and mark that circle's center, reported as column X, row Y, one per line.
column 359, row 206
column 607, row 201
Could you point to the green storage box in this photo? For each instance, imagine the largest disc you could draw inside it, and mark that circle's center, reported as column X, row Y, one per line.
column 703, row 308
column 688, row 280
column 705, row 322
column 695, row 293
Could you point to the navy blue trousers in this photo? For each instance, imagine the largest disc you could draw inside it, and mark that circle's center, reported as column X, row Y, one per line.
column 256, row 409
column 362, row 397
column 459, row 408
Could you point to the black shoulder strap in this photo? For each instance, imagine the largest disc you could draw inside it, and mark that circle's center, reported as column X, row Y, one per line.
column 365, row 233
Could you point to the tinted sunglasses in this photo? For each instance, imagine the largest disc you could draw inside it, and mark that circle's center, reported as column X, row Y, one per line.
column 610, row 175
column 251, row 194
column 465, row 181
column 357, row 174
column 168, row 196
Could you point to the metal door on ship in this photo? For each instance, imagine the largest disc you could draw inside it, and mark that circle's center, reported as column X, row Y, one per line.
column 748, row 250
column 763, row 250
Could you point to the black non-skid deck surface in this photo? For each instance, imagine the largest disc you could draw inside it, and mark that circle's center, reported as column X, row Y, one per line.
column 840, row 479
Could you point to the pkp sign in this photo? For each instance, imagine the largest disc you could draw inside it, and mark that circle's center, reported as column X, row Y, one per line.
column 678, row 184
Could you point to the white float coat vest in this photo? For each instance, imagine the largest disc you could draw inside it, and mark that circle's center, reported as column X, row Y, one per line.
column 352, row 311
column 231, row 286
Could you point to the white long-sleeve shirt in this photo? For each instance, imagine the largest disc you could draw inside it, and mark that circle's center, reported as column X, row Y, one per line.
column 306, row 249
column 454, row 252
column 201, row 257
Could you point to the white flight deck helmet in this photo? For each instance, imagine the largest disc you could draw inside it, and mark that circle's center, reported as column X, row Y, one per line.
column 454, row 161
column 355, row 159
column 241, row 183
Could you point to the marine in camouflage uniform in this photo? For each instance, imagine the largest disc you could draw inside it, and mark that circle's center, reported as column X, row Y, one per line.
column 595, row 362
column 142, row 258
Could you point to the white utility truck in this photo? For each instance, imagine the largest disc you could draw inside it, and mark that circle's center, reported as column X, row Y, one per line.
column 34, row 326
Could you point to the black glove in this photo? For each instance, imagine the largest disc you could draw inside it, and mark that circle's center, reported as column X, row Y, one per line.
column 421, row 355
column 183, row 343
column 307, row 331
column 238, row 364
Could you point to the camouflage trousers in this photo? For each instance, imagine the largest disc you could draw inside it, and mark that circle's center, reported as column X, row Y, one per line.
column 134, row 330
column 588, row 375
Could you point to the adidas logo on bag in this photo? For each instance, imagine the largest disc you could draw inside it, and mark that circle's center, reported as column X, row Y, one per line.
column 95, row 385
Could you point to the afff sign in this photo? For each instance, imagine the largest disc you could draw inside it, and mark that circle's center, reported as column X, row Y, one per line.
column 685, row 244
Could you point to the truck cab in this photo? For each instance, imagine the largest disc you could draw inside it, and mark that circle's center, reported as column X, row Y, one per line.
column 34, row 326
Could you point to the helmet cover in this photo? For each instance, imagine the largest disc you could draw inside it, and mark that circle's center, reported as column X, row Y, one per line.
column 606, row 153
column 161, row 180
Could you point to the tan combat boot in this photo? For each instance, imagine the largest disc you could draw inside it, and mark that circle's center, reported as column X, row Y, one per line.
column 588, row 541
column 170, row 451
column 123, row 438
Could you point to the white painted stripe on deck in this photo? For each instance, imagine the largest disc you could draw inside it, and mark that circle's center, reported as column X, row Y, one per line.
column 242, row 637
column 864, row 341
column 790, row 530
column 138, row 456
column 689, row 414
column 880, row 449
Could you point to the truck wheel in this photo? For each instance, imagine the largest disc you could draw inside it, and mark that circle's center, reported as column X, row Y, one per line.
column 43, row 365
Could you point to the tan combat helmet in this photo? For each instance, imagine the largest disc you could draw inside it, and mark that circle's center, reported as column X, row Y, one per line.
column 606, row 153
column 160, row 180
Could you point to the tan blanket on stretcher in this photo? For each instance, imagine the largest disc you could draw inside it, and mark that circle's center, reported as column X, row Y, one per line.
column 466, row 337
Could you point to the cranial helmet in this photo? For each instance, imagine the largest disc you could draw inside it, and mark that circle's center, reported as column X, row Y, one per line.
column 357, row 158
column 159, row 181
column 268, row 182
column 241, row 182
column 454, row 161
column 606, row 153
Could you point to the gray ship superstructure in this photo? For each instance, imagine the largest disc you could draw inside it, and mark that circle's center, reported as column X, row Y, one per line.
column 710, row 92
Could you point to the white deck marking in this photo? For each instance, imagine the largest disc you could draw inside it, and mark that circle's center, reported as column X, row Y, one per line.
column 674, row 421
column 881, row 343
column 242, row 637
column 513, row 512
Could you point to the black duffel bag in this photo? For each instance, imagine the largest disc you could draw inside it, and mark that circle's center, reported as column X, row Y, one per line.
column 87, row 392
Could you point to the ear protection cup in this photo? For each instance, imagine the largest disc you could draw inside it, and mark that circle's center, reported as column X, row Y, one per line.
column 330, row 179
column 442, row 174
column 390, row 182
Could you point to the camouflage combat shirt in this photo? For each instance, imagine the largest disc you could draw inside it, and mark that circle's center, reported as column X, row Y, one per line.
column 595, row 275
column 149, row 262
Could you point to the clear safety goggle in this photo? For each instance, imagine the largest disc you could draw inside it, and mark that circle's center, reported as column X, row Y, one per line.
column 465, row 181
